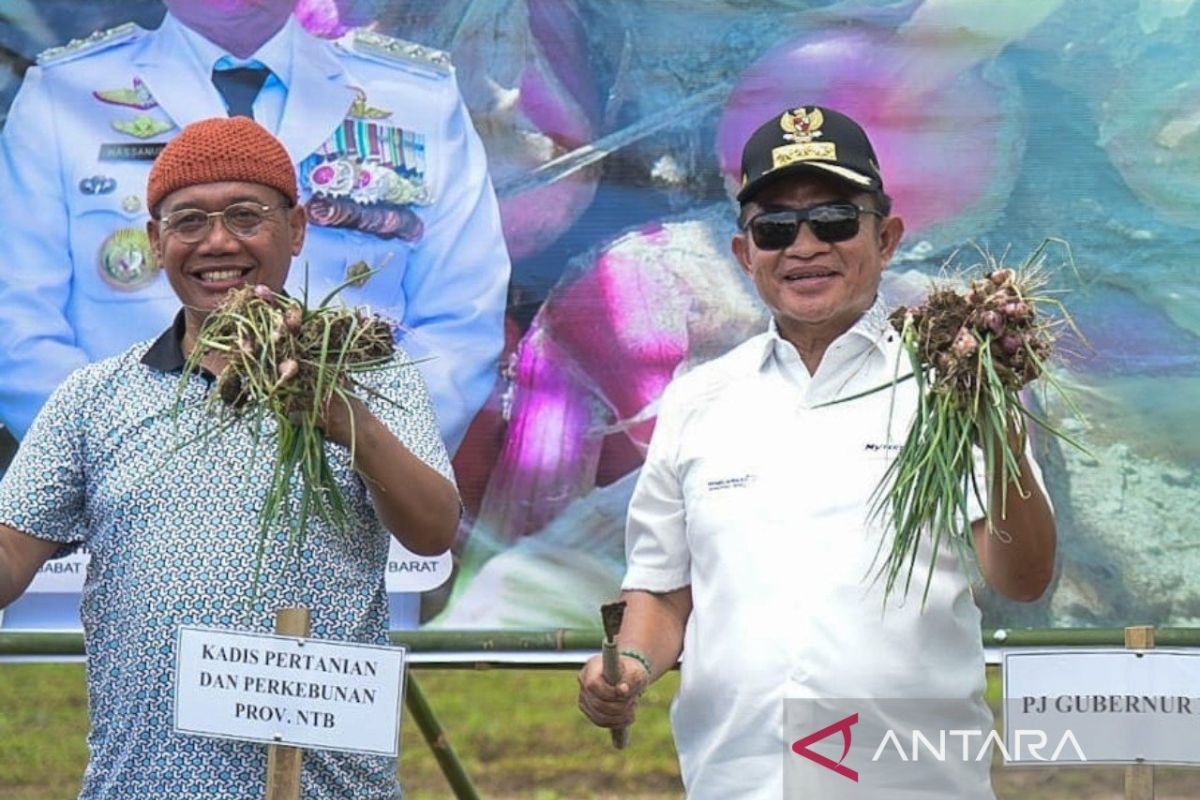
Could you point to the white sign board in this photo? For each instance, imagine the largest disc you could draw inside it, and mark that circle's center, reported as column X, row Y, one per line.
column 62, row 575
column 1102, row 706
column 409, row 572
column 284, row 690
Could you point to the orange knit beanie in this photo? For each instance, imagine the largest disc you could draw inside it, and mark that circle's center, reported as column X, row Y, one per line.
column 221, row 149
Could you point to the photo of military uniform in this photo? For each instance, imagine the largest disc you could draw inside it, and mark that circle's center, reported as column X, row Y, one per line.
column 392, row 172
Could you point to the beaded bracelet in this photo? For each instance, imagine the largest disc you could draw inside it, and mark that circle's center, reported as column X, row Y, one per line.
column 641, row 658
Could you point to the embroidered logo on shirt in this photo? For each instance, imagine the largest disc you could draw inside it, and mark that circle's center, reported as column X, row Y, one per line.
column 738, row 482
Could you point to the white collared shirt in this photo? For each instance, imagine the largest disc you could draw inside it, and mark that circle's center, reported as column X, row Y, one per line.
column 757, row 496
column 275, row 54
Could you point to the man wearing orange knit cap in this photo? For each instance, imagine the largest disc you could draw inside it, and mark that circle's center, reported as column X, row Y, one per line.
column 389, row 165
column 390, row 169
column 172, row 532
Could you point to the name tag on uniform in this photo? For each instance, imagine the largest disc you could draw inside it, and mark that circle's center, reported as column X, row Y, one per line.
column 135, row 151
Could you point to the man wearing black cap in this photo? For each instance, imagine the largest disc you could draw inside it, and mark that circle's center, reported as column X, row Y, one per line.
column 749, row 542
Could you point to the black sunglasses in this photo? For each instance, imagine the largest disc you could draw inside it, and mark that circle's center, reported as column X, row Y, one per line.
column 830, row 222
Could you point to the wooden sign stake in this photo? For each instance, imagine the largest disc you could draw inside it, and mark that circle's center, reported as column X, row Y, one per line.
column 283, row 761
column 1139, row 778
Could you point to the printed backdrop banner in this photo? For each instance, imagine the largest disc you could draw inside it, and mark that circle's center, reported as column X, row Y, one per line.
column 613, row 131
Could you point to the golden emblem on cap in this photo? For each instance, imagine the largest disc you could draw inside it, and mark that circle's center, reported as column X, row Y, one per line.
column 801, row 124
column 127, row 259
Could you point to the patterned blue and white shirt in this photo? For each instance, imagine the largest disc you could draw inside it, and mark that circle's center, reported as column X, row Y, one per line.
column 171, row 521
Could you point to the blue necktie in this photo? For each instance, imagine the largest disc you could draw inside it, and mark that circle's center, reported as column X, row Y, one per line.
column 239, row 86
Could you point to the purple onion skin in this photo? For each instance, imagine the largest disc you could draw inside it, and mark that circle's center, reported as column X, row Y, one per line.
column 1001, row 277
column 1018, row 311
column 559, row 30
column 964, row 344
column 330, row 19
column 551, row 111
column 992, row 321
column 288, row 369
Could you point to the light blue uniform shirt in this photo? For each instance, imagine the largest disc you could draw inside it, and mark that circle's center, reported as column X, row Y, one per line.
column 77, row 147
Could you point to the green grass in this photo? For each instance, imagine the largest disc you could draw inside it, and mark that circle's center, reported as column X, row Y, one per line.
column 518, row 732
column 43, row 722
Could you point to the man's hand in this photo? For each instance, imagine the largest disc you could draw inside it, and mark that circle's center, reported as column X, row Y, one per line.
column 1017, row 557
column 344, row 419
column 611, row 706
column 21, row 556
column 653, row 627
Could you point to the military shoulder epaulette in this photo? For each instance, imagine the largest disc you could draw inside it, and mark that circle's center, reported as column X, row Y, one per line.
column 100, row 40
column 379, row 47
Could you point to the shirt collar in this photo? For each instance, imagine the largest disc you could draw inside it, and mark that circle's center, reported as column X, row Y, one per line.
column 275, row 54
column 870, row 327
column 166, row 354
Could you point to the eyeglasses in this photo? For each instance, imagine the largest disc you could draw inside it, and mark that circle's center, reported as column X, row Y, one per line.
column 191, row 225
column 830, row 222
